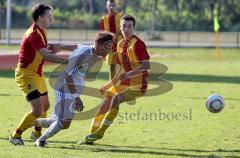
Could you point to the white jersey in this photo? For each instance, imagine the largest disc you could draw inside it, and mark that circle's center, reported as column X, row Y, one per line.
column 79, row 62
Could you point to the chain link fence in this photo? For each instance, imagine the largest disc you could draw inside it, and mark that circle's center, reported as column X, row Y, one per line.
column 163, row 38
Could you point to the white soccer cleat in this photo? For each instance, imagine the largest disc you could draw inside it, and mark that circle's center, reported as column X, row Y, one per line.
column 90, row 139
column 15, row 141
column 40, row 144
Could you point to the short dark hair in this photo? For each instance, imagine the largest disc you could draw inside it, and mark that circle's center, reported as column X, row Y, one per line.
column 39, row 10
column 129, row 17
column 111, row 1
column 103, row 37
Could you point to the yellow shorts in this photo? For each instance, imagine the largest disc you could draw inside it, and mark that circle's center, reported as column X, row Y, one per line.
column 110, row 58
column 130, row 93
column 29, row 81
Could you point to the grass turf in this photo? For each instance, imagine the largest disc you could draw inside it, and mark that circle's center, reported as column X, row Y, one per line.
column 174, row 124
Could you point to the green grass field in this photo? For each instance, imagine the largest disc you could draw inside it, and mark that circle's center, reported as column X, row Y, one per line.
column 194, row 73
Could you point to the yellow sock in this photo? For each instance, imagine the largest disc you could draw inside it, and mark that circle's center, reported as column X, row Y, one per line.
column 111, row 115
column 26, row 122
column 97, row 121
column 38, row 129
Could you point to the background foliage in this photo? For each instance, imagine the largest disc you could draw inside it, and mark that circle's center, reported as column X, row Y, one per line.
column 164, row 15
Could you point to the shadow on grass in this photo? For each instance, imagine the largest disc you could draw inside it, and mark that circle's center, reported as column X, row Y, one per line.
column 167, row 76
column 201, row 98
column 202, row 78
column 145, row 150
column 137, row 149
column 7, row 95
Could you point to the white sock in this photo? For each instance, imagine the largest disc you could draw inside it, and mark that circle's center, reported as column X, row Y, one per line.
column 45, row 122
column 53, row 129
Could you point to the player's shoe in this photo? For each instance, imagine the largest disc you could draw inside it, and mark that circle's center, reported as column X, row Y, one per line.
column 90, row 139
column 40, row 144
column 15, row 141
column 33, row 137
column 81, row 142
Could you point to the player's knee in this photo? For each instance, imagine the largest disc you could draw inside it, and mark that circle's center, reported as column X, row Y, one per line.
column 116, row 100
column 66, row 124
column 36, row 107
column 37, row 112
column 45, row 102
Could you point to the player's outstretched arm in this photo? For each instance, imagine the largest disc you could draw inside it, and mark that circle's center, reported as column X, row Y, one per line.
column 69, row 47
column 49, row 56
column 57, row 47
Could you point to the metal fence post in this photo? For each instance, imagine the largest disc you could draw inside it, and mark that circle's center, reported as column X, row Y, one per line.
column 8, row 23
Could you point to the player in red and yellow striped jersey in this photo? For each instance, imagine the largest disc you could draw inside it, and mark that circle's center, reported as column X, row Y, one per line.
column 133, row 59
column 28, row 74
column 111, row 23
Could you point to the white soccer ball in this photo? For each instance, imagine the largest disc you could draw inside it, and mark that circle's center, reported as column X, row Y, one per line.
column 215, row 103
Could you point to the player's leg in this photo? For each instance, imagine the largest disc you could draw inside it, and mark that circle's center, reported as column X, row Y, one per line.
column 41, row 85
column 38, row 128
column 97, row 121
column 28, row 120
column 44, row 122
column 117, row 99
column 110, row 93
column 111, row 115
column 54, row 128
column 107, row 121
column 64, row 112
column 99, row 116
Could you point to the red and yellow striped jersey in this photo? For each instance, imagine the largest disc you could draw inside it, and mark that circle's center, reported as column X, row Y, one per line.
column 29, row 57
column 111, row 23
column 130, row 54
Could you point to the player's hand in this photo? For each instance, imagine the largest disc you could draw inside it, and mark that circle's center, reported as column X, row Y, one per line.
column 103, row 89
column 79, row 104
column 54, row 48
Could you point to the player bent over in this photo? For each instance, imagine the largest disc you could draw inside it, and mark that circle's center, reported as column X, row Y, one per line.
column 70, row 84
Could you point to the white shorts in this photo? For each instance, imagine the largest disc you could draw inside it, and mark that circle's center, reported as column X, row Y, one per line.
column 64, row 105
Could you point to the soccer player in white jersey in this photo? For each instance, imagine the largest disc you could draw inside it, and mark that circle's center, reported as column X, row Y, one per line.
column 70, row 84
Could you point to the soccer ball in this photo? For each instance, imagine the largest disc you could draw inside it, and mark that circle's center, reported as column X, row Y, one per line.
column 215, row 103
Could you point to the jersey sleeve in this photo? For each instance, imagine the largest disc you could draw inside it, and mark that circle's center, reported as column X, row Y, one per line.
column 36, row 41
column 74, row 62
column 141, row 51
column 71, row 65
